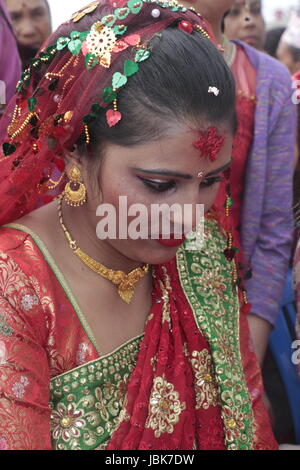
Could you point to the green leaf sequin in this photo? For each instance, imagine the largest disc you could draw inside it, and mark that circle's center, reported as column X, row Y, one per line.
column 135, row 6
column 97, row 109
column 109, row 95
column 75, row 46
column 62, row 43
column 108, row 20
column 91, row 61
column 118, row 80
column 122, row 13
column 32, row 104
column 130, row 68
column 88, row 118
column 142, row 54
column 120, row 29
column 8, row 148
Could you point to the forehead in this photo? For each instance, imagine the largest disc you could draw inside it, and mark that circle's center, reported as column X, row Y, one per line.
column 241, row 3
column 20, row 5
column 175, row 152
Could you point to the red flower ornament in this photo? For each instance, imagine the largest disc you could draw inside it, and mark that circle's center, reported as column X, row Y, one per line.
column 209, row 143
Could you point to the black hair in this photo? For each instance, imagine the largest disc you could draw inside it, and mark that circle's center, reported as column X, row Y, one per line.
column 171, row 87
column 273, row 39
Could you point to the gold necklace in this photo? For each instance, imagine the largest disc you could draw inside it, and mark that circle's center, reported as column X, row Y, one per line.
column 125, row 282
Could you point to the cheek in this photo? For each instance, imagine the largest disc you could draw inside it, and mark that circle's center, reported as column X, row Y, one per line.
column 260, row 24
column 232, row 26
column 130, row 187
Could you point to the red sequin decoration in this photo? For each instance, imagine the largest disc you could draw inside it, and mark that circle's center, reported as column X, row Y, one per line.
column 186, row 26
column 209, row 143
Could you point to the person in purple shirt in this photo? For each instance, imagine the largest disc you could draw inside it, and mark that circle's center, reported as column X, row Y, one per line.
column 10, row 64
column 266, row 187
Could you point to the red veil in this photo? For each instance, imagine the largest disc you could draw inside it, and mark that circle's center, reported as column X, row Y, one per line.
column 47, row 113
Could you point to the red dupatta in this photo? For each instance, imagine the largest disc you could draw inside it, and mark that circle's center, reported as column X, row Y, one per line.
column 163, row 412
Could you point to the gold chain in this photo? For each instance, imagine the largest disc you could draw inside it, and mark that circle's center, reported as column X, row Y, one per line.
column 125, row 282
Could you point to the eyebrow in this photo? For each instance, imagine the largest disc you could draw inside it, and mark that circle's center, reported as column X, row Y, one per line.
column 162, row 172
column 38, row 9
column 219, row 170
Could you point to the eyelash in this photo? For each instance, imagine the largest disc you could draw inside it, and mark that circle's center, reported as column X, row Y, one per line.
column 211, row 181
column 167, row 186
column 158, row 187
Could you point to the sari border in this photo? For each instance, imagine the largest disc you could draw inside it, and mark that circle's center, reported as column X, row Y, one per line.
column 235, row 409
column 101, row 358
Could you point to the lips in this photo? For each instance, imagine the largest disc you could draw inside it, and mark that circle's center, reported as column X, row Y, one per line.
column 171, row 242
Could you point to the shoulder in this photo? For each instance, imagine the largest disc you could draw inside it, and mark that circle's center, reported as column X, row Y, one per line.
column 20, row 293
column 11, row 239
column 17, row 246
column 267, row 67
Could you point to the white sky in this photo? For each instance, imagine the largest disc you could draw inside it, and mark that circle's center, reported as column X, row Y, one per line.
column 63, row 9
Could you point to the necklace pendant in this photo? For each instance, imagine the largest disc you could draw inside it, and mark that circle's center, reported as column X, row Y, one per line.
column 126, row 293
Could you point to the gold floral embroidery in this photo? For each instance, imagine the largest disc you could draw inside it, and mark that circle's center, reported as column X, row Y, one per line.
column 89, row 402
column 234, row 425
column 67, row 422
column 100, row 42
column 164, row 407
column 207, row 392
column 214, row 281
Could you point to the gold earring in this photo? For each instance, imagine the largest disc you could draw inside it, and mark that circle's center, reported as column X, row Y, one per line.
column 75, row 190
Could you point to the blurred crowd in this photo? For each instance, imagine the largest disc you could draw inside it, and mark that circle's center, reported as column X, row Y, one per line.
column 266, row 221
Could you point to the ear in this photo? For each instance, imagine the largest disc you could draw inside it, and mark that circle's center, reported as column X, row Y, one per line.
column 72, row 157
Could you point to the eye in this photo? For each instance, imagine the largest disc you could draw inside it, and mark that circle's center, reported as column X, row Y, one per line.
column 234, row 12
column 38, row 12
column 211, row 181
column 16, row 17
column 158, row 186
column 255, row 11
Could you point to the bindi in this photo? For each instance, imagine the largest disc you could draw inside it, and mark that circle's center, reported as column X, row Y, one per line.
column 209, row 143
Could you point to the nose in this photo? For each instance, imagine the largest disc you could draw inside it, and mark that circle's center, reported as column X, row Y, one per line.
column 189, row 214
column 27, row 29
column 249, row 20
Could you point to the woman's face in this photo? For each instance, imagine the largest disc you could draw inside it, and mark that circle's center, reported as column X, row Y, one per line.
column 168, row 171
column 245, row 22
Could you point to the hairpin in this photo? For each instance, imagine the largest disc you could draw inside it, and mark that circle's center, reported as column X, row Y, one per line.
column 214, row 90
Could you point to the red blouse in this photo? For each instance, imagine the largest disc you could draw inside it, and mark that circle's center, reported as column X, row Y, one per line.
column 245, row 76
